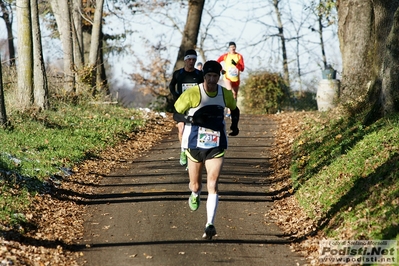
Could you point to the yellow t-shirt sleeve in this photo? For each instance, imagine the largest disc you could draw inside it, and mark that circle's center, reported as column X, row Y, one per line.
column 229, row 99
column 188, row 99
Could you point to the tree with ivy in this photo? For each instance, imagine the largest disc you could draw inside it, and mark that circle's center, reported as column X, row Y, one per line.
column 368, row 32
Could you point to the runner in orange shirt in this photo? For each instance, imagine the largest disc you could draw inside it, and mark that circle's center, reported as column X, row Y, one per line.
column 233, row 65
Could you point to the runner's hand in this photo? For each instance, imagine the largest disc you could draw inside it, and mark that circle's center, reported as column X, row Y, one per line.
column 233, row 62
column 234, row 131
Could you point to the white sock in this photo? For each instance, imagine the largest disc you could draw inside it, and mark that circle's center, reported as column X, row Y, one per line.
column 211, row 207
column 197, row 194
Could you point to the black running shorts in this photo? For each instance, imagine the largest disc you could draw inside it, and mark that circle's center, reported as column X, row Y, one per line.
column 201, row 155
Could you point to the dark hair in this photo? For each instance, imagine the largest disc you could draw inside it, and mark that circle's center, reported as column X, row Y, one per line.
column 190, row 52
column 212, row 67
column 232, row 43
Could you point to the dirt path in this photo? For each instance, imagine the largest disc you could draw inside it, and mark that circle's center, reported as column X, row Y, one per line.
column 141, row 215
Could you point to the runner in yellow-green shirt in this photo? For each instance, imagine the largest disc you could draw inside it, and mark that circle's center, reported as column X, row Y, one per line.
column 201, row 108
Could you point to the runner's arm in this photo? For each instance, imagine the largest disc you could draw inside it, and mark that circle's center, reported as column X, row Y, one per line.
column 240, row 64
column 235, row 112
column 235, row 117
column 172, row 86
column 221, row 58
column 182, row 118
column 181, row 107
column 188, row 99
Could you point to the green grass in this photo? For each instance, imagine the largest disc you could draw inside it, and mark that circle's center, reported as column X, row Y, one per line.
column 38, row 144
column 346, row 176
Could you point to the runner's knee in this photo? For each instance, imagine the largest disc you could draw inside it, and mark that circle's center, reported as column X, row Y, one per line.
column 212, row 186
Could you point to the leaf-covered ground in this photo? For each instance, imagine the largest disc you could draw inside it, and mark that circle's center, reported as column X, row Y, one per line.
column 56, row 218
column 287, row 213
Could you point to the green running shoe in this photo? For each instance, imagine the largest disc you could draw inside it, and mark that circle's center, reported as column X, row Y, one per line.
column 210, row 231
column 183, row 158
column 194, row 202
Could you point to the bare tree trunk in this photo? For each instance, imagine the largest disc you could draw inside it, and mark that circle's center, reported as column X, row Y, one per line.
column 389, row 97
column 8, row 19
column 101, row 73
column 355, row 32
column 86, row 46
column 77, row 33
column 368, row 33
column 63, row 18
column 3, row 113
column 25, row 55
column 78, row 46
column 191, row 30
column 323, row 51
column 299, row 70
column 40, row 77
column 283, row 42
column 95, row 42
column 95, row 33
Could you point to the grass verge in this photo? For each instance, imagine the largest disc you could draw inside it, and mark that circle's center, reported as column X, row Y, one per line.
column 346, row 176
column 40, row 146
